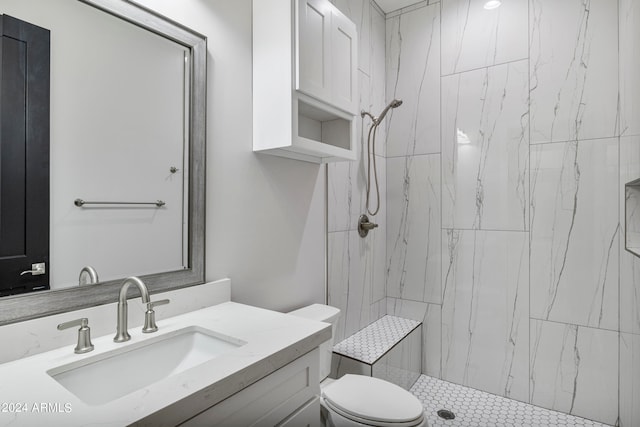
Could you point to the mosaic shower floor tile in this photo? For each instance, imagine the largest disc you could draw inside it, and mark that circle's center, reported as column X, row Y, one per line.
column 475, row 408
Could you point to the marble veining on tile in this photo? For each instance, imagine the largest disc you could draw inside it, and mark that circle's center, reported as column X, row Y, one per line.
column 356, row 278
column 574, row 232
column 473, row 37
column 629, row 65
column 372, row 342
column 574, row 69
column 413, row 75
column 413, row 228
column 377, row 73
column 485, row 148
column 475, row 408
column 574, row 369
column 347, row 180
column 485, row 330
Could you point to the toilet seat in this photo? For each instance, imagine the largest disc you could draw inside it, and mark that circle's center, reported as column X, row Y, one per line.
column 372, row 401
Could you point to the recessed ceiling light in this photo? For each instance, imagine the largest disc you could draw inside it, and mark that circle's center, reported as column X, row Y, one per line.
column 492, row 4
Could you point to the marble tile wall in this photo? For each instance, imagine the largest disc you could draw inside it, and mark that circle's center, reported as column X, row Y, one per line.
column 413, row 68
column 575, row 232
column 502, row 175
column 571, row 370
column 485, row 146
column 629, row 384
column 413, row 224
column 485, row 331
column 474, row 38
column 573, row 63
column 518, row 130
column 629, row 92
column 356, row 266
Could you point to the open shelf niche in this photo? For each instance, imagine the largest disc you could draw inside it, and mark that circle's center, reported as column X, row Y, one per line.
column 632, row 217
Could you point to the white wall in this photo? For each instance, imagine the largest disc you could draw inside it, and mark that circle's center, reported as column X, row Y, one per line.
column 265, row 215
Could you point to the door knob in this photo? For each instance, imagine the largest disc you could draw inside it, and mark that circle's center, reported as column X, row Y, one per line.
column 36, row 269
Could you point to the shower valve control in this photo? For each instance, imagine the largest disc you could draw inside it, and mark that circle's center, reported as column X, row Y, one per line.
column 364, row 225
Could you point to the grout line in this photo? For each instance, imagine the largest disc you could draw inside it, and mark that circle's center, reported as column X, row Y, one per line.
column 529, row 373
column 619, row 221
column 440, row 293
column 572, row 140
column 557, row 322
column 407, row 9
column 484, row 67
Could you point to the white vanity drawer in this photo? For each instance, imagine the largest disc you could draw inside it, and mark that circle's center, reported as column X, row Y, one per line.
column 307, row 416
column 270, row 400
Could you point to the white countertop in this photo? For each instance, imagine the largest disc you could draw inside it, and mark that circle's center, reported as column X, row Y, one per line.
column 29, row 396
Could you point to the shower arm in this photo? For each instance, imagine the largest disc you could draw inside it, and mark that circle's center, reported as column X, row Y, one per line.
column 366, row 113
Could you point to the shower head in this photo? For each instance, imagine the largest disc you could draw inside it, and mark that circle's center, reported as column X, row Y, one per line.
column 393, row 104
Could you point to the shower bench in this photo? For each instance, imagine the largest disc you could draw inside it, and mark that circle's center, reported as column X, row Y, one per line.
column 389, row 348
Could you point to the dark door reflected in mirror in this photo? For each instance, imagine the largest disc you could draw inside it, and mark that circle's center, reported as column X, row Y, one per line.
column 119, row 133
column 24, row 157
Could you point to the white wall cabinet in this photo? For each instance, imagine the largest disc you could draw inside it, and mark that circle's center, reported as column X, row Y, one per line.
column 288, row 396
column 304, row 80
column 326, row 54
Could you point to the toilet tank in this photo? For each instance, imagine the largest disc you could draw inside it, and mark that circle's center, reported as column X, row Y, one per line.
column 327, row 314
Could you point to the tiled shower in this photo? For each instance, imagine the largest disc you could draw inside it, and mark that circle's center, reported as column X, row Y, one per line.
column 502, row 184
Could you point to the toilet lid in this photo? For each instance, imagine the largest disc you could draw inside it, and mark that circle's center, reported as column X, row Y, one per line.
column 373, row 400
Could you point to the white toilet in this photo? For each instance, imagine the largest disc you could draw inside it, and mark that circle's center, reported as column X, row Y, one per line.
column 358, row 400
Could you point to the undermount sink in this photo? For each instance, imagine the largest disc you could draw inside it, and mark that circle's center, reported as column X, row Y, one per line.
column 105, row 377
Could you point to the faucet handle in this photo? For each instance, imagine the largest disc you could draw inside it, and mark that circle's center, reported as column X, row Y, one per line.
column 152, row 304
column 84, row 344
column 150, row 316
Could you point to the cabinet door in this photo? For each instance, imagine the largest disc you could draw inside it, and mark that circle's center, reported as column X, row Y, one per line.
column 314, row 42
column 344, row 57
column 307, row 416
column 270, row 400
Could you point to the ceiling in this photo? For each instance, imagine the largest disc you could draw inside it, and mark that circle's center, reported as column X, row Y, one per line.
column 391, row 5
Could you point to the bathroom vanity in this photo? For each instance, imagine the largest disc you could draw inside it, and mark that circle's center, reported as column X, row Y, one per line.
column 244, row 366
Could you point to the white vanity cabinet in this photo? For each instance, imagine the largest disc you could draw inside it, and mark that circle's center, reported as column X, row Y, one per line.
column 286, row 397
column 305, row 95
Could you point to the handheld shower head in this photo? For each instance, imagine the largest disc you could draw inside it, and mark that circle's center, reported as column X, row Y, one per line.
column 393, row 104
column 371, row 151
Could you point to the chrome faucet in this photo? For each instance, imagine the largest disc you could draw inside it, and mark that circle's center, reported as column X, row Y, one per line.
column 84, row 334
column 122, row 334
column 88, row 276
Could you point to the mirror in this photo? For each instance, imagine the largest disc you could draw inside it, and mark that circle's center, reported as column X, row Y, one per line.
column 116, row 169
